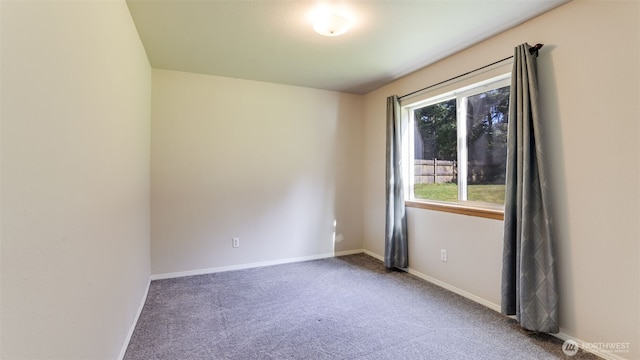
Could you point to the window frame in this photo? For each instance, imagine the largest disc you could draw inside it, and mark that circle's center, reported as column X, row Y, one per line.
column 462, row 206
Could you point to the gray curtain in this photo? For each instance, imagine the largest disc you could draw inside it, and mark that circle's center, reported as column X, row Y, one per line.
column 529, row 289
column 395, row 252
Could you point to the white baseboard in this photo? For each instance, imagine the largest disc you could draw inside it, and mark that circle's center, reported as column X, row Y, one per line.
column 444, row 285
column 252, row 265
column 374, row 255
column 456, row 290
column 135, row 322
column 349, row 252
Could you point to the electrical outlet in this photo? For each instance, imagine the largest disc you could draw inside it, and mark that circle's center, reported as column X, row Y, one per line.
column 443, row 255
column 235, row 242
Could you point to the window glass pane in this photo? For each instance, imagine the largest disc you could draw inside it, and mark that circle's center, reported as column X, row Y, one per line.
column 435, row 152
column 487, row 119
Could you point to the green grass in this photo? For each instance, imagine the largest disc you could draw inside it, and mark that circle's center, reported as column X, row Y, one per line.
column 440, row 192
column 449, row 192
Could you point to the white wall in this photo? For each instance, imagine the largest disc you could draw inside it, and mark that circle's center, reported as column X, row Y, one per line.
column 271, row 164
column 76, row 87
column 590, row 86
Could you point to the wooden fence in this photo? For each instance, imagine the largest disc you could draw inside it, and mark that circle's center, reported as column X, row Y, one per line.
column 435, row 171
column 446, row 171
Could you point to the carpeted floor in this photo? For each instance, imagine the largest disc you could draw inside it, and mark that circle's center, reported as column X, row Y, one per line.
column 339, row 308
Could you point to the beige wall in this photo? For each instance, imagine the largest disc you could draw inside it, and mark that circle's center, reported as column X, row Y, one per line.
column 76, row 87
column 590, row 86
column 271, row 164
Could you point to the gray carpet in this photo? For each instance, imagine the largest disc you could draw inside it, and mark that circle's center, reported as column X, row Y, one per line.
column 339, row 308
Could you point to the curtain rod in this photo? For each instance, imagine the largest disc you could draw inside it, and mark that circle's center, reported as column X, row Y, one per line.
column 532, row 50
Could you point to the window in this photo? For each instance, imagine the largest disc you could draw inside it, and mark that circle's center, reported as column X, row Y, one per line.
column 457, row 145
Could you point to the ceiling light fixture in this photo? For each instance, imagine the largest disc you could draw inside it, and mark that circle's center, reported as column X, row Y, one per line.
column 330, row 21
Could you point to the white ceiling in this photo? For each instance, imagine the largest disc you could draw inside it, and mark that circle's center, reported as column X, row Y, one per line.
column 273, row 41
